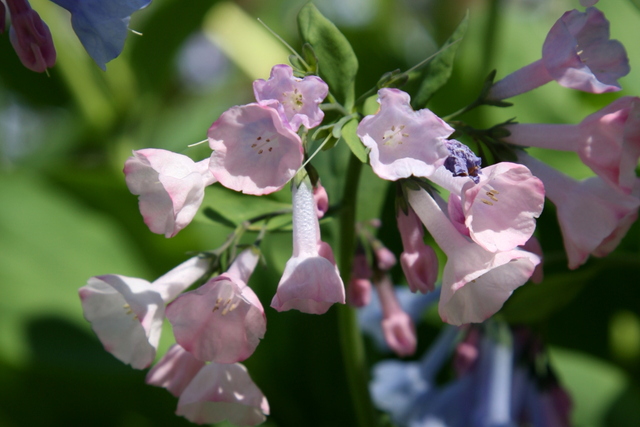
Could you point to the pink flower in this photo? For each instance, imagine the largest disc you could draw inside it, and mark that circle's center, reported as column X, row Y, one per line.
column 593, row 217
column 175, row 370
column 310, row 281
column 170, row 187
column 321, row 198
column 385, row 259
column 476, row 282
column 298, row 99
column 126, row 313
column 608, row 141
column 223, row 320
column 30, row 36
column 418, row 260
column 223, row 392
column 397, row 327
column 254, row 151
column 577, row 53
column 533, row 246
column 403, row 142
column 359, row 289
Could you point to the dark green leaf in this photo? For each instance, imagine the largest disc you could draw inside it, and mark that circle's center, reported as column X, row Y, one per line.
column 337, row 63
column 439, row 69
column 349, row 135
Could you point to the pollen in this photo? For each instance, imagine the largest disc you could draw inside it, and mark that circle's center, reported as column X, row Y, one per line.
column 486, row 202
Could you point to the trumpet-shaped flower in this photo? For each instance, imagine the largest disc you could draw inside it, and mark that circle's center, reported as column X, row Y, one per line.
column 298, row 99
column 30, row 36
column 175, row 370
column 126, row 312
column 577, row 53
column 310, row 281
column 170, row 187
column 608, row 141
column 102, row 27
column 403, row 142
column 418, row 260
column 476, row 282
column 223, row 392
column 254, row 150
column 593, row 217
column 223, row 320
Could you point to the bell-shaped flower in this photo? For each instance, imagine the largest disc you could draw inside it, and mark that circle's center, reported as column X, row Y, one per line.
column 254, row 150
column 577, row 53
column 298, row 99
column 399, row 387
column 223, row 320
column 418, row 260
column 170, row 187
column 397, row 326
column 175, row 370
column 127, row 313
column 476, row 282
column 30, row 36
column 310, row 282
column 223, row 392
column 593, row 217
column 403, row 142
column 608, row 141
column 500, row 211
column 102, row 27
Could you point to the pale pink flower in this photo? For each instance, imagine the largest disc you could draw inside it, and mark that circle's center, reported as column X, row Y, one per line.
column 397, row 327
column 418, row 260
column 476, row 282
column 254, row 151
column 533, row 246
column 30, row 36
column 577, row 53
column 223, row 392
column 170, row 187
column 175, row 370
column 403, row 142
column 321, row 198
column 298, row 99
column 223, row 320
column 499, row 212
column 126, row 313
column 593, row 217
column 310, row 282
column 385, row 259
column 608, row 141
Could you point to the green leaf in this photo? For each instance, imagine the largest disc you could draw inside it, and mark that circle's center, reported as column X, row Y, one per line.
column 348, row 134
column 439, row 69
column 636, row 3
column 337, row 63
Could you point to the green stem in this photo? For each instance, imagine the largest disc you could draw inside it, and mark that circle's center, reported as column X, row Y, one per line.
column 491, row 30
column 350, row 337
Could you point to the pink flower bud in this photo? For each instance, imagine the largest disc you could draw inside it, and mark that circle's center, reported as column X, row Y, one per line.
column 397, row 327
column 419, row 261
column 321, row 198
column 385, row 259
column 359, row 292
column 30, row 37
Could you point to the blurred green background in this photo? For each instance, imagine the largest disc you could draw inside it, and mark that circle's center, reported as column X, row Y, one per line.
column 67, row 215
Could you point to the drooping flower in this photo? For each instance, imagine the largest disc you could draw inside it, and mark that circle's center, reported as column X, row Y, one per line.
column 403, row 142
column 593, row 217
column 30, row 36
column 418, row 260
column 175, row 370
column 310, row 282
column 170, row 187
column 223, row 320
column 476, row 282
column 298, row 99
column 221, row 392
column 254, row 151
column 499, row 211
column 102, row 27
column 608, row 141
column 126, row 312
column 577, row 53
column 397, row 326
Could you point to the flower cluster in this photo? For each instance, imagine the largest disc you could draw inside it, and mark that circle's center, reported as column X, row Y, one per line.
column 102, row 30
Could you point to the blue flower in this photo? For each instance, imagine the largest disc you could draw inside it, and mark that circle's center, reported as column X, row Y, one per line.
column 102, row 25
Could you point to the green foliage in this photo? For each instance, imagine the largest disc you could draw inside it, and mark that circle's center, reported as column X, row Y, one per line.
column 337, row 63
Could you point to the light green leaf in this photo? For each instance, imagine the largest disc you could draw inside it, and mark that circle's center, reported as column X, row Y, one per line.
column 439, row 69
column 337, row 63
column 348, row 134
